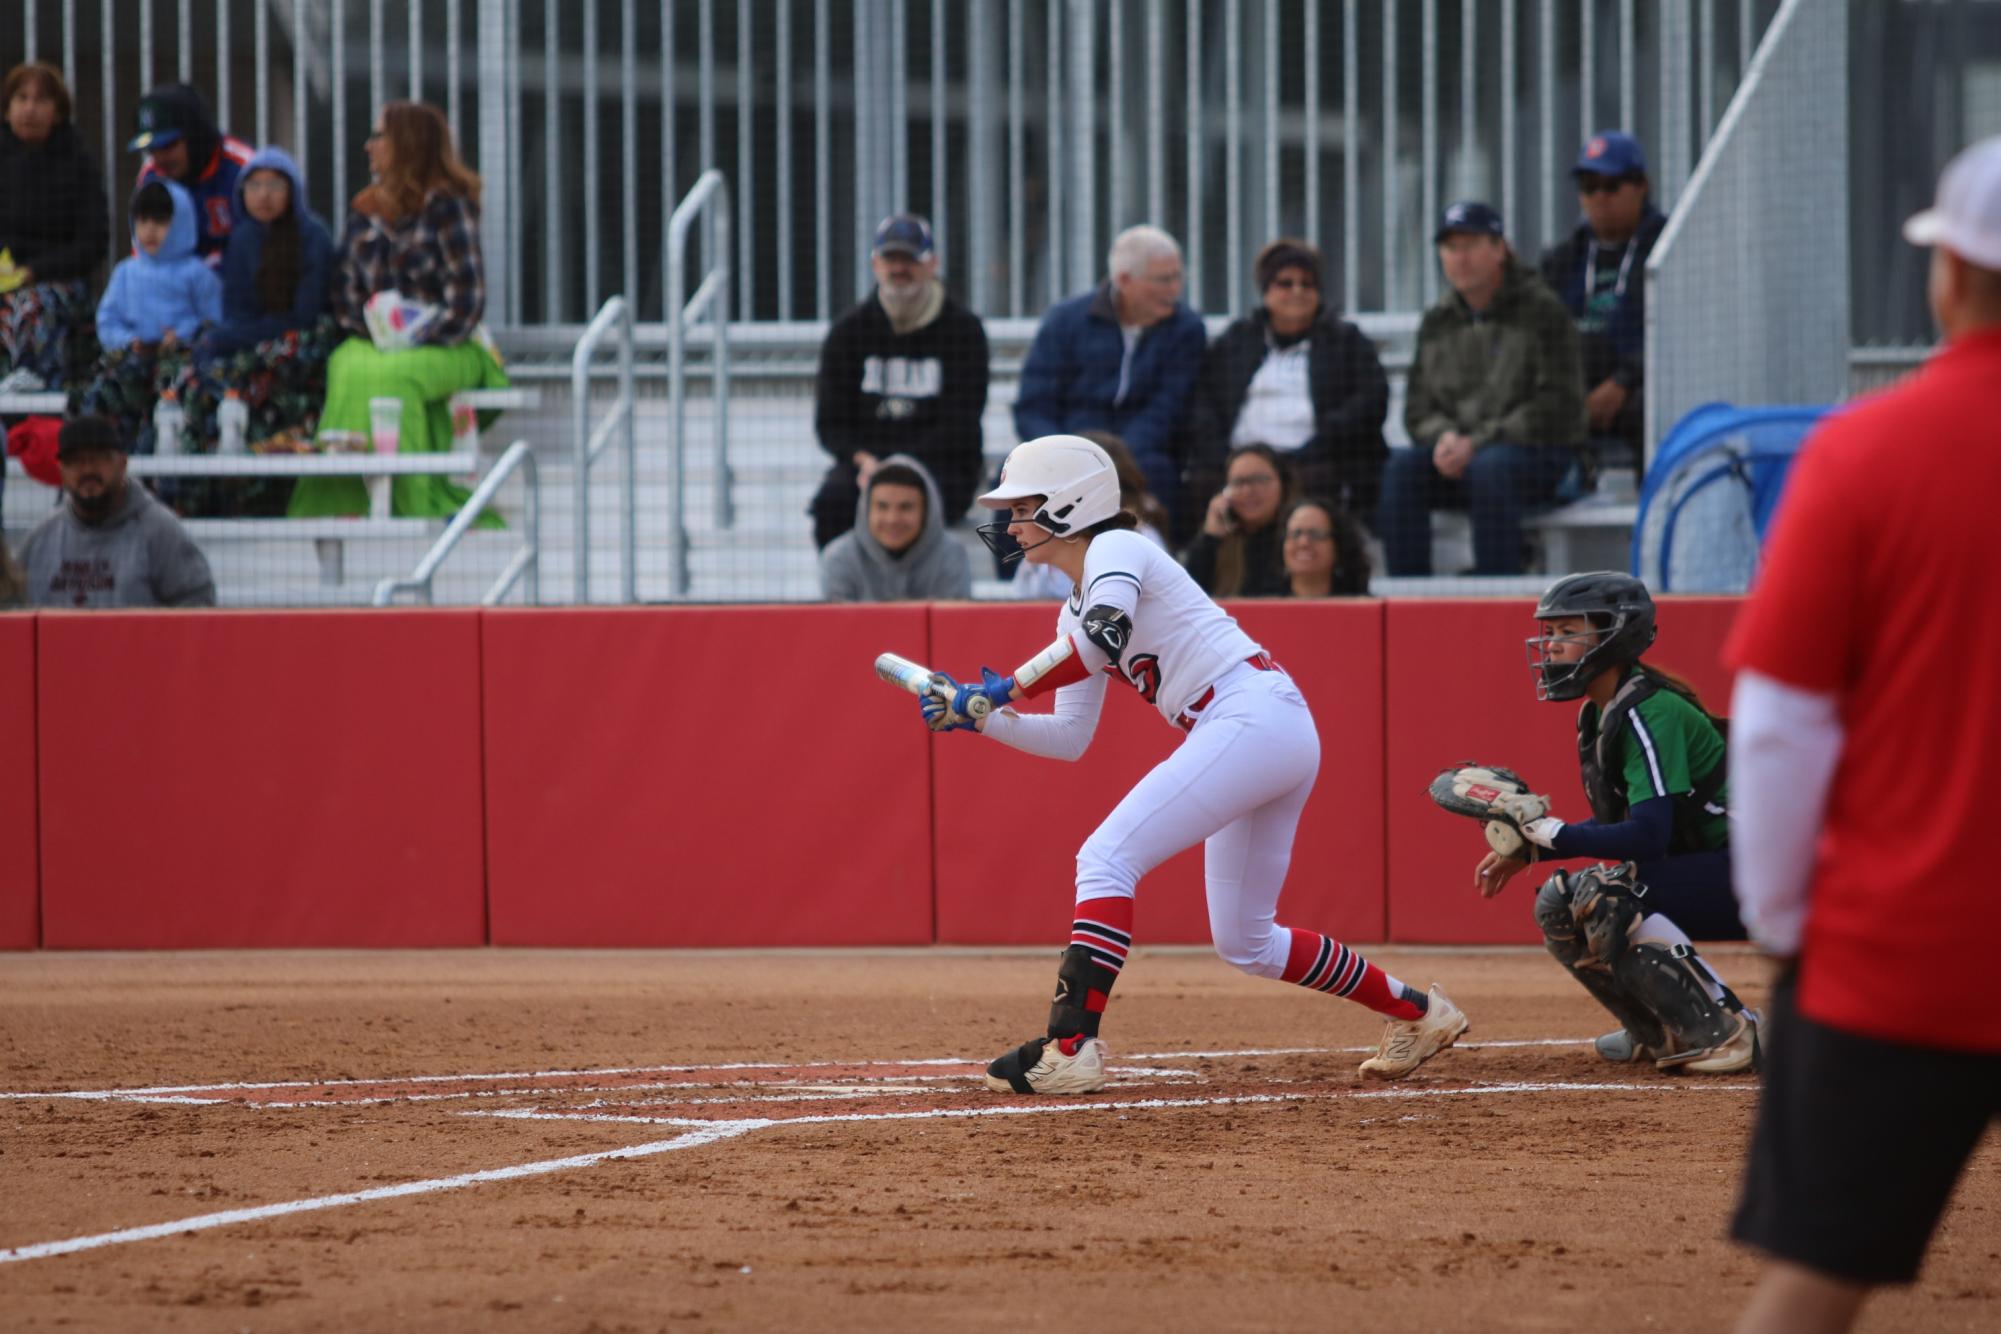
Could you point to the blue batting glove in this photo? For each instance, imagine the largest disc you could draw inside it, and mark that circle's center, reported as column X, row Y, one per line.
column 993, row 688
column 938, row 715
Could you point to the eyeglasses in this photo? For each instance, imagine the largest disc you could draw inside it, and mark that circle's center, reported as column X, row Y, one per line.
column 1309, row 534
column 1592, row 185
column 1252, row 482
column 1292, row 284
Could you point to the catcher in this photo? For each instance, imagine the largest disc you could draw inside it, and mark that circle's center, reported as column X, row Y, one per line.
column 1652, row 760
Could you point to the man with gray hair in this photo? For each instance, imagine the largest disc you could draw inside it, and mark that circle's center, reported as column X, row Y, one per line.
column 1121, row 358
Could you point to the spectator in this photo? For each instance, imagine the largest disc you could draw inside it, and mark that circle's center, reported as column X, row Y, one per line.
column 415, row 231
column 1238, row 553
column 53, row 232
column 110, row 544
column 1859, row 737
column 275, row 335
column 1046, row 581
column 1601, row 274
column 897, row 549
column 178, row 134
column 1494, row 404
column 1325, row 552
column 155, row 306
column 1123, row 358
column 1297, row 377
column 13, row 583
column 904, row 372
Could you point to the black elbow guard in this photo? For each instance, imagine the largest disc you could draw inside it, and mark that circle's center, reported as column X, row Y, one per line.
column 1110, row 629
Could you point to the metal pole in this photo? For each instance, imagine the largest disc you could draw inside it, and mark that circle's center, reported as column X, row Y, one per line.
column 1472, row 176
column 222, row 62
column 376, row 74
column 823, row 179
column 719, row 363
column 337, row 60
column 413, row 38
column 108, row 90
column 300, row 139
column 628, row 154
column 1156, row 118
column 494, row 39
column 746, row 149
column 1508, row 115
column 554, row 200
column 1705, row 74
column 783, row 115
column 1587, row 72
column 1053, row 137
column 628, row 399
column 187, row 40
column 508, row 300
column 1082, row 132
column 1628, row 80
column 861, row 82
column 1428, row 135
column 454, row 98
column 1271, row 131
column 145, row 45
column 939, row 129
column 979, row 147
column 1674, row 117
column 1546, row 139
column 668, row 197
column 69, row 44
column 1233, row 167
column 1192, row 243
column 1390, row 249
column 1310, row 52
column 263, row 38
column 1351, row 157
column 898, row 51
column 1017, row 208
column 593, row 196
column 1115, row 127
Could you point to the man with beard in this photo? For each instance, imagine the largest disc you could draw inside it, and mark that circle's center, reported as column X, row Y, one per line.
column 110, row 544
column 178, row 134
column 904, row 372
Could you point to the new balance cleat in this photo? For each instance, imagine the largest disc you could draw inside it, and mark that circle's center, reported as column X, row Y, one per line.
column 1050, row 1065
column 1407, row 1044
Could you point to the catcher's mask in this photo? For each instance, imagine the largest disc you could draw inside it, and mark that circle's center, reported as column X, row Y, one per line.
column 1621, row 613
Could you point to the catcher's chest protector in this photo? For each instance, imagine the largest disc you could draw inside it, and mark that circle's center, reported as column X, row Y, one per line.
column 1604, row 776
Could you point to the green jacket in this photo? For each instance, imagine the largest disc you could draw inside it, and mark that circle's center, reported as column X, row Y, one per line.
column 1510, row 373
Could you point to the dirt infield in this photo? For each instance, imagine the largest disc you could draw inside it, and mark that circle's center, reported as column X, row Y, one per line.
column 626, row 1141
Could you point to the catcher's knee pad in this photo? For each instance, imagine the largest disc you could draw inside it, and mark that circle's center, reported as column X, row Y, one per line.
column 1552, row 915
column 1675, row 989
column 1605, row 905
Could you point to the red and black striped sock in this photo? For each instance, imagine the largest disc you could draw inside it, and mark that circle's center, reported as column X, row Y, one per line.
column 1325, row 964
column 1101, row 935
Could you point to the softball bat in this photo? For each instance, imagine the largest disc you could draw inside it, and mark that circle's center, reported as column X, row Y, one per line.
column 904, row 674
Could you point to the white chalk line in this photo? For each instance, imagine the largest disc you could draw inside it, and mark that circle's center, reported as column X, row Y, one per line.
column 709, row 1133
column 700, row 1132
column 181, row 1094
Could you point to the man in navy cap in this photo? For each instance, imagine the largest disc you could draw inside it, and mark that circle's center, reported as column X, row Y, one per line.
column 1494, row 404
column 1600, row 272
column 178, row 134
column 904, row 372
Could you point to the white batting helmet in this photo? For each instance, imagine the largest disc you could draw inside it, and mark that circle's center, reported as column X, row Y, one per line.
column 1077, row 479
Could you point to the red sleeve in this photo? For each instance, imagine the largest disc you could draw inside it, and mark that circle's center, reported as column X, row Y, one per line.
column 1800, row 623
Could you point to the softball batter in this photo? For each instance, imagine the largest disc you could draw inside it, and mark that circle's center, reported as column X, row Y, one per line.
column 1238, row 782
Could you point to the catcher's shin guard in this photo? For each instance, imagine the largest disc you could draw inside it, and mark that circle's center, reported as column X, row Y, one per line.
column 1668, row 980
column 1566, row 942
column 1082, row 987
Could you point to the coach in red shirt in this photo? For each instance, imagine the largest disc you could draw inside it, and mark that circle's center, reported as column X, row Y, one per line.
column 1865, row 723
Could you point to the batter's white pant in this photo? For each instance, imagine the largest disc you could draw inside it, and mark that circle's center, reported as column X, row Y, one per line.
column 1238, row 782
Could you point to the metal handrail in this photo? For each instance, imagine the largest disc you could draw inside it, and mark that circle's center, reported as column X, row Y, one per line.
column 528, row 560
column 710, row 195
column 615, row 312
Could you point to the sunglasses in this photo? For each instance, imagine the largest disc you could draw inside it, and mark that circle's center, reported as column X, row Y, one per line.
column 1592, row 185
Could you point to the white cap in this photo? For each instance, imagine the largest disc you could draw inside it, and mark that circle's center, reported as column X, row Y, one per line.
column 1966, row 217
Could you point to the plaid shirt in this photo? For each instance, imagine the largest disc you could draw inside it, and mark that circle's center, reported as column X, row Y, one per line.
column 432, row 257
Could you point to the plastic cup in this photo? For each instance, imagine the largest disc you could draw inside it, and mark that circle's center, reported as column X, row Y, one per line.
column 385, row 423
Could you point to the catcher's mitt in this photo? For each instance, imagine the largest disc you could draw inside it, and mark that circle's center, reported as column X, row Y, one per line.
column 1496, row 797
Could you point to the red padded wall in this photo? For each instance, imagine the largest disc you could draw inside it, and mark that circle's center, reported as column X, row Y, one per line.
column 1459, row 688
column 221, row 779
column 705, row 777
column 20, row 872
column 1009, row 824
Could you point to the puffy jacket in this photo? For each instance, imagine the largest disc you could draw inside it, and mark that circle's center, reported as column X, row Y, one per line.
column 53, row 214
column 1509, row 372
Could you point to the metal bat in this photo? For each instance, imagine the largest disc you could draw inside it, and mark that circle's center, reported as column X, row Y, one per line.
column 904, row 674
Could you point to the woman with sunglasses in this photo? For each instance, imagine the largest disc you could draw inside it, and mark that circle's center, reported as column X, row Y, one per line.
column 1295, row 376
column 1652, row 761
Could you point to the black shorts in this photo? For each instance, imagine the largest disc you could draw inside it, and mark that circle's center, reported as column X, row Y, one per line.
column 1857, row 1146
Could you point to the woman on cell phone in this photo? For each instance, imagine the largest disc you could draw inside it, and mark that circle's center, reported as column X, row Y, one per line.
column 1240, row 552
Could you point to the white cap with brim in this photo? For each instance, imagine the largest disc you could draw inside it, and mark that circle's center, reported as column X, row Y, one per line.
column 1966, row 216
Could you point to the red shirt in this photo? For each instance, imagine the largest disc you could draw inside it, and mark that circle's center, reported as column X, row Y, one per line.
column 1882, row 586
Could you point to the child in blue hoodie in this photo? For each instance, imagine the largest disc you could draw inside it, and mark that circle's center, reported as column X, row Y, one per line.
column 156, row 305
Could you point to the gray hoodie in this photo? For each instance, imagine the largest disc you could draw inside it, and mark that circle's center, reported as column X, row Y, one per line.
column 857, row 568
column 140, row 556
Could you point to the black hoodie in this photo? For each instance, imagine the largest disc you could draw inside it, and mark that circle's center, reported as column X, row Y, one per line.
column 53, row 214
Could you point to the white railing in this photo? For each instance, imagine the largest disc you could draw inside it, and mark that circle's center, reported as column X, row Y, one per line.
column 526, row 562
column 616, row 314
column 709, row 199
column 1747, row 288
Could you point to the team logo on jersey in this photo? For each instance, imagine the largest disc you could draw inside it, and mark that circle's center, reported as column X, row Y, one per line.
column 1142, row 674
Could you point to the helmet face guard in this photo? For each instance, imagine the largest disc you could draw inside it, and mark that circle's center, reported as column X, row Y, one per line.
column 992, row 533
column 1621, row 615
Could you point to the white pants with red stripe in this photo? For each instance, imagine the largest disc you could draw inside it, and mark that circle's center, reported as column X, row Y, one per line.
column 1237, row 783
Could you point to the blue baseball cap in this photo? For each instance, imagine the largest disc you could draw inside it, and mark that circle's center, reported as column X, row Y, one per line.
column 1469, row 215
column 903, row 234
column 1611, row 153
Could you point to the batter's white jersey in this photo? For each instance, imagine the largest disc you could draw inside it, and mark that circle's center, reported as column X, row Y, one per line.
column 1181, row 641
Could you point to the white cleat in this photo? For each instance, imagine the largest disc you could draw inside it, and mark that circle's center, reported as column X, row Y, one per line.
column 1040, row 1065
column 1733, row 1056
column 1407, row 1044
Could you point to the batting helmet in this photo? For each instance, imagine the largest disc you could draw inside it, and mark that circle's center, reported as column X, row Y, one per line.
column 1078, row 485
column 1621, row 612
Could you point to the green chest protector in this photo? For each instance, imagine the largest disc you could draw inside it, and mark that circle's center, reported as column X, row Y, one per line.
column 1605, row 777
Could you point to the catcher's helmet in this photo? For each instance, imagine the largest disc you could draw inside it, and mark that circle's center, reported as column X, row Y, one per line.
column 1621, row 612
column 1076, row 480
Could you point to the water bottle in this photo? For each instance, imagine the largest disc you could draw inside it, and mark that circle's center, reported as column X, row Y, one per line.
column 167, row 424
column 232, row 421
